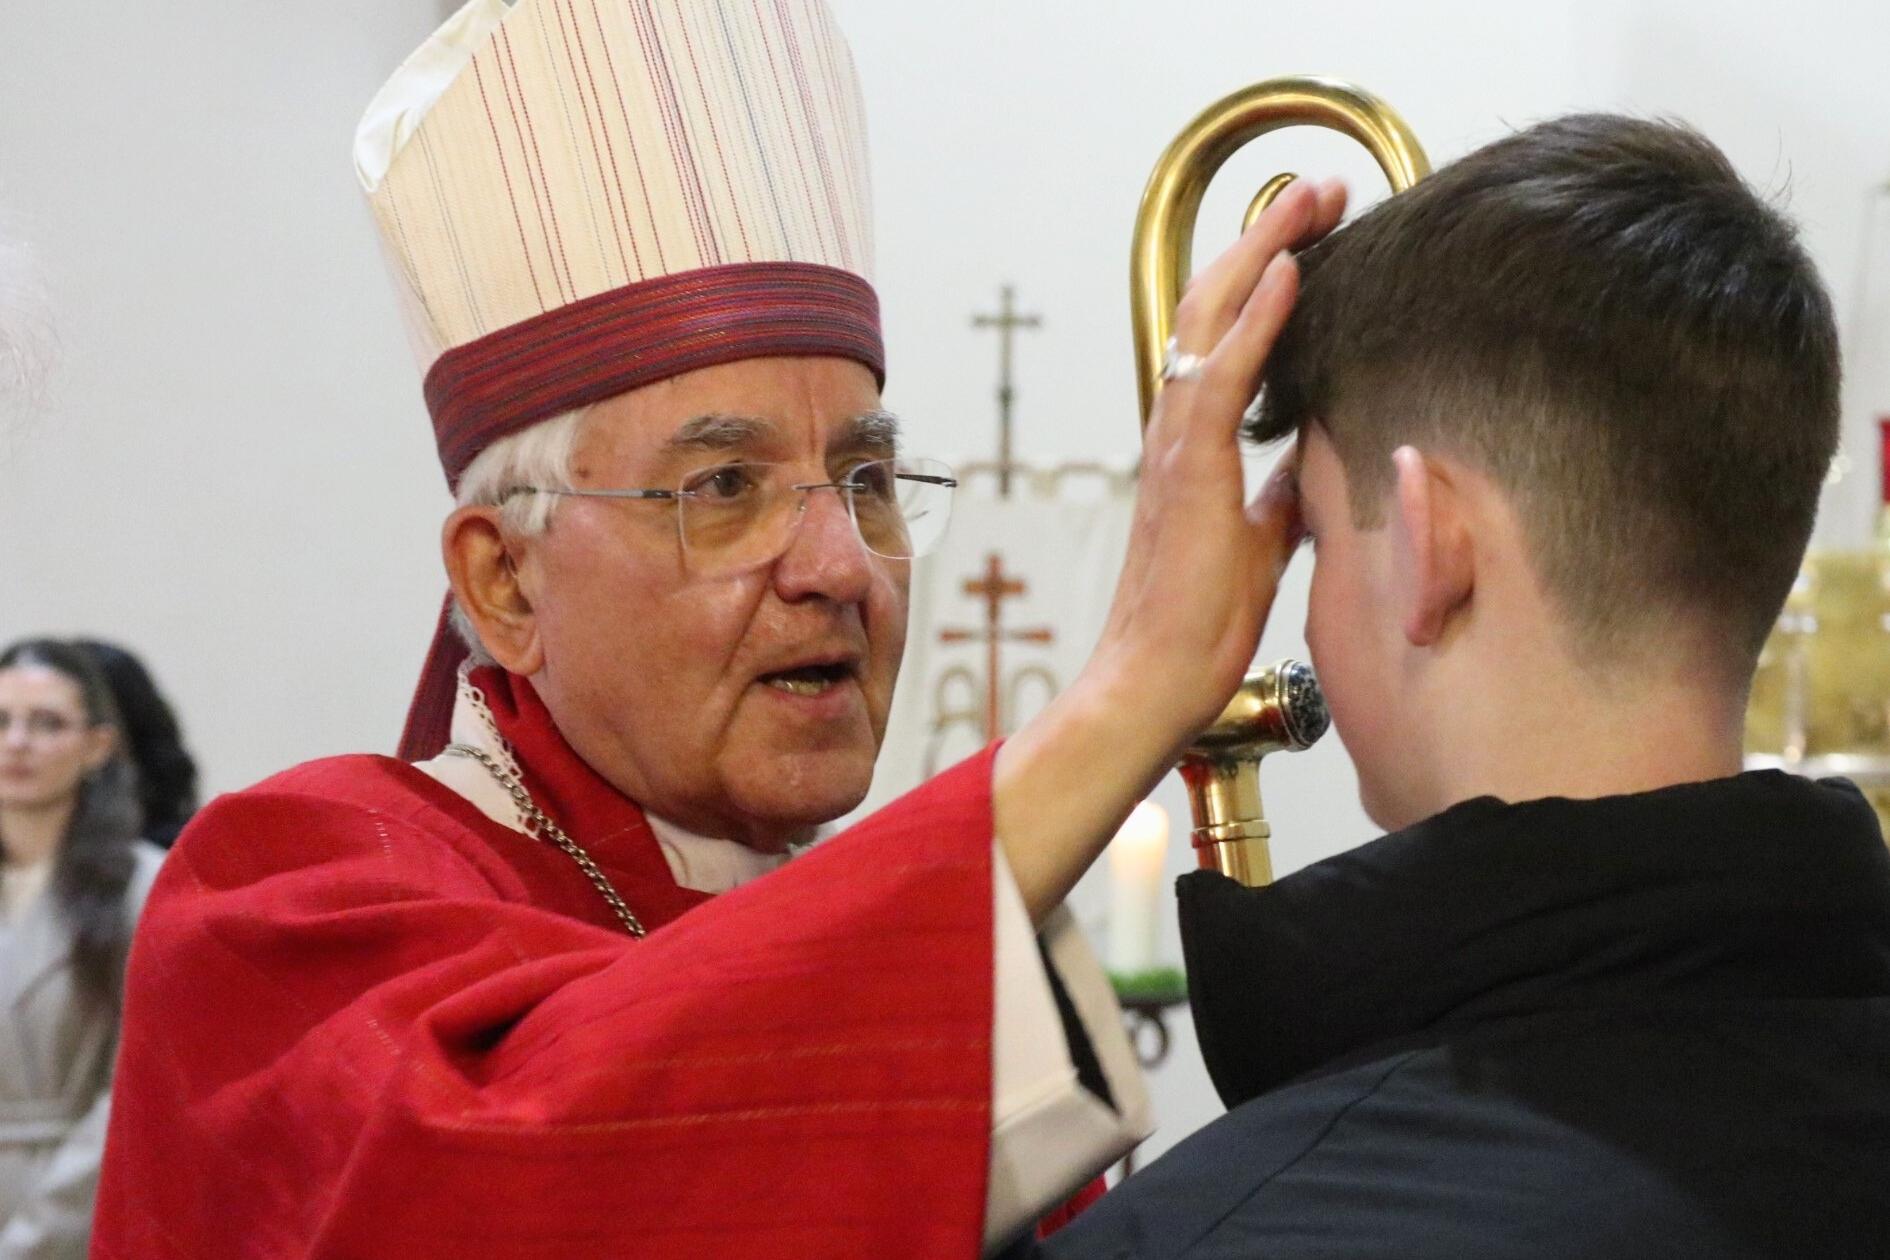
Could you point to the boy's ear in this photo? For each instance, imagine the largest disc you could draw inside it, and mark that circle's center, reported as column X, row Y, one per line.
column 1438, row 560
column 484, row 569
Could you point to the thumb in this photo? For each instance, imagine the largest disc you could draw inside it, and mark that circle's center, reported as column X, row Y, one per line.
column 1275, row 518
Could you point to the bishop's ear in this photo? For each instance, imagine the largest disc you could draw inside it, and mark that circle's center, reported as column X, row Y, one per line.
column 1437, row 559
column 483, row 567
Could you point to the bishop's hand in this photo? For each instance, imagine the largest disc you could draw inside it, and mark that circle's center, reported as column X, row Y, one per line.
column 1200, row 576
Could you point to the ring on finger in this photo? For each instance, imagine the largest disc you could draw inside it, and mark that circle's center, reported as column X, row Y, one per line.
column 1177, row 366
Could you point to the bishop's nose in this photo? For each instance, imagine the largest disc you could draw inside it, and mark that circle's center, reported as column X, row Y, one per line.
column 826, row 558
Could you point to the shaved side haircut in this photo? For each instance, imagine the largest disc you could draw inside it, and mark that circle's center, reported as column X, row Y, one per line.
column 1603, row 317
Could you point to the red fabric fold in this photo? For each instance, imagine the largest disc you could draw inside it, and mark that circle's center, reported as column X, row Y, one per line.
column 429, row 723
column 1071, row 1208
column 609, row 826
column 362, row 1020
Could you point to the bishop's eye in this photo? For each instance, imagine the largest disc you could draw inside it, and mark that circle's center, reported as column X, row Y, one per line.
column 725, row 483
column 874, row 480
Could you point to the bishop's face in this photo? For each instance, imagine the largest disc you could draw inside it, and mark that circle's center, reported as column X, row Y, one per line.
column 746, row 704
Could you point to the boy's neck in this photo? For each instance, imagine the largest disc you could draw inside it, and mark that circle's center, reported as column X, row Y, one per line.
column 1582, row 738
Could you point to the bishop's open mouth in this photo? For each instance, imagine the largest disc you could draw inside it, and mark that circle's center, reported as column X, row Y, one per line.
column 809, row 680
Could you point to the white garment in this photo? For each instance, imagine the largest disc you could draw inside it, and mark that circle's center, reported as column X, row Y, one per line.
column 56, row 1053
column 20, row 886
column 1049, row 1134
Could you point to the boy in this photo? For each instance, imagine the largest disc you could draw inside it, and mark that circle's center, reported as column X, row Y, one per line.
column 1563, row 413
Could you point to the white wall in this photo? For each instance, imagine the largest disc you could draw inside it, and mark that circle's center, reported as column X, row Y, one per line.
column 235, row 475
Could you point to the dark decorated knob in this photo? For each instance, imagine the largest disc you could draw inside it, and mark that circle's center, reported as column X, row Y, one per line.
column 1277, row 709
column 1302, row 704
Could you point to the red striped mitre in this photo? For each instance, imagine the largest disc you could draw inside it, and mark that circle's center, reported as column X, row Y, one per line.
column 579, row 197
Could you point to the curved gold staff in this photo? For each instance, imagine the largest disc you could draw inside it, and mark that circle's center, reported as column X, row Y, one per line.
column 1279, row 707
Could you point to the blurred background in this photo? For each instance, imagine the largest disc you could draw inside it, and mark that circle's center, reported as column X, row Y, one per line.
column 231, row 470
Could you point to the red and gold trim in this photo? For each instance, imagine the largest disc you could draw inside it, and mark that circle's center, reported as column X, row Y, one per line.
column 601, row 346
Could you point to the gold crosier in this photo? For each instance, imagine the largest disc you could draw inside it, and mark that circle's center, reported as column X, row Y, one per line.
column 1279, row 707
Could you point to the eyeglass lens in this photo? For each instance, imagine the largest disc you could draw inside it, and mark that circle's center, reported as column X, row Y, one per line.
column 740, row 515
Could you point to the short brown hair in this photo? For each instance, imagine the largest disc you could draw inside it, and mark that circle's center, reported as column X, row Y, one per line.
column 1603, row 317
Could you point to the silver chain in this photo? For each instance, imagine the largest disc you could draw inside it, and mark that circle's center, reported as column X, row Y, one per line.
column 475, row 700
column 537, row 823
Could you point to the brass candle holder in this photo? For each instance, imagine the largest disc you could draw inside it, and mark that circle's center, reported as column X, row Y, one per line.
column 1821, row 697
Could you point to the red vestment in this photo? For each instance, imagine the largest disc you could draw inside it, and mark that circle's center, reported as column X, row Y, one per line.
column 364, row 1020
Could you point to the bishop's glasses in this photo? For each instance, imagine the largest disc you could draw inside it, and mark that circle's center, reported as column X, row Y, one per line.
column 737, row 516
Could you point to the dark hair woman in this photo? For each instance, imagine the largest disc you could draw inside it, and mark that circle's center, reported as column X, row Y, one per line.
column 73, row 874
column 167, row 774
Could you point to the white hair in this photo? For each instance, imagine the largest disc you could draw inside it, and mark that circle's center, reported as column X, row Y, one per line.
column 537, row 457
column 26, row 335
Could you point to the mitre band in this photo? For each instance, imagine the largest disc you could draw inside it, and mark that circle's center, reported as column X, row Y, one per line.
column 603, row 345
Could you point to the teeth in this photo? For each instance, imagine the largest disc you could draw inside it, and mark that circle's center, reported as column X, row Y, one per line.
column 801, row 686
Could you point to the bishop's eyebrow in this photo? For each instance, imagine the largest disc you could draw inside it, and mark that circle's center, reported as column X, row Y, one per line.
column 875, row 431
column 718, row 432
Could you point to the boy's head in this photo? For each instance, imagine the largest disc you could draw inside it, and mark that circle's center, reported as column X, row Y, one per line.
column 1588, row 343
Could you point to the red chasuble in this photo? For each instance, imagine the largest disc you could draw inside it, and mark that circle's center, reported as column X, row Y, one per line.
column 363, row 1020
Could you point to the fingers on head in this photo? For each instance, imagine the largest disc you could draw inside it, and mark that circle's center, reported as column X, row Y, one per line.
column 1214, row 298
column 1293, row 213
column 1233, row 312
column 1327, row 211
column 1208, row 308
column 1231, row 375
column 1240, row 358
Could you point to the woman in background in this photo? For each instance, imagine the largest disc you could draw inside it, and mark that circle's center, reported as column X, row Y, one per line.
column 73, row 875
column 167, row 774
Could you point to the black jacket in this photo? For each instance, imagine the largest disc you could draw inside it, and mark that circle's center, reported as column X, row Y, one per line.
column 1653, row 1025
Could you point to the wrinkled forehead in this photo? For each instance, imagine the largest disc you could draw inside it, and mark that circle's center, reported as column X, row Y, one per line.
column 874, row 432
column 780, row 411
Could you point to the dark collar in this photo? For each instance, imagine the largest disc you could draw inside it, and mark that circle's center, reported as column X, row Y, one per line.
column 1761, row 885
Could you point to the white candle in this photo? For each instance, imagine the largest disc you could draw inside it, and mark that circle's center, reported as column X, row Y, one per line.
column 1136, row 858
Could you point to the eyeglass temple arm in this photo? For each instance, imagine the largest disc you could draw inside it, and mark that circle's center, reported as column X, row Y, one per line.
column 610, row 494
column 854, row 485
